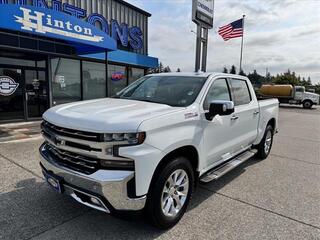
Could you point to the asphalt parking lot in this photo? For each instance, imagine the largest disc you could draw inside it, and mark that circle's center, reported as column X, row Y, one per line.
column 278, row 198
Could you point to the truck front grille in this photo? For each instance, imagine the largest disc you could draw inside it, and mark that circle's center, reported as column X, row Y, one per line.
column 72, row 160
column 88, row 136
column 81, row 151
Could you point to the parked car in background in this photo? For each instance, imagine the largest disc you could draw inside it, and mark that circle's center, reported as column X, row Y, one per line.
column 147, row 147
column 290, row 94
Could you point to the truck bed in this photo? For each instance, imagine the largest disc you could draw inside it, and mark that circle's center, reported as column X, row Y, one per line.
column 269, row 109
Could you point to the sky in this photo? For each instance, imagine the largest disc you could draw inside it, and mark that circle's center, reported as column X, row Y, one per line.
column 279, row 35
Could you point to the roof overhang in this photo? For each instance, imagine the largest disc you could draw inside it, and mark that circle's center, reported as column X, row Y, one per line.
column 129, row 58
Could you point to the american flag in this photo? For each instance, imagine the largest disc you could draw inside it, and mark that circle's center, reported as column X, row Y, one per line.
column 232, row 30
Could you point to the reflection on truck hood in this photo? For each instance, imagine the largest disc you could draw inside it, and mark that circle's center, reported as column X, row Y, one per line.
column 314, row 95
column 106, row 115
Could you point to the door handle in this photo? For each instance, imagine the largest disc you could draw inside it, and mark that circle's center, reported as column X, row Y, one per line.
column 27, row 96
column 256, row 112
column 233, row 118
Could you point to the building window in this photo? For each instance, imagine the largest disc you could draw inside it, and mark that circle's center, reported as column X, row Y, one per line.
column 117, row 79
column 134, row 74
column 66, row 85
column 17, row 61
column 94, row 80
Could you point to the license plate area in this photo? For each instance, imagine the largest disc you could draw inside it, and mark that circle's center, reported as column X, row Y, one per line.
column 54, row 181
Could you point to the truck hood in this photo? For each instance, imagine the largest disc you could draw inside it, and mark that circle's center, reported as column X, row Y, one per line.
column 315, row 95
column 106, row 115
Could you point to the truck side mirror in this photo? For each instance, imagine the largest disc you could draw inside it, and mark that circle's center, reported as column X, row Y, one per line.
column 221, row 108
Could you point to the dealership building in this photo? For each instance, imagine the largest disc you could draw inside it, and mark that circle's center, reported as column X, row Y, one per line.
column 54, row 52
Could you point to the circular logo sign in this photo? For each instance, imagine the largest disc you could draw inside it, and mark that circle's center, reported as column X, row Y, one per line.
column 7, row 86
column 117, row 76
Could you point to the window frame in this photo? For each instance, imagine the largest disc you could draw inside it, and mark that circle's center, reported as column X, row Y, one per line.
column 233, row 96
column 209, row 87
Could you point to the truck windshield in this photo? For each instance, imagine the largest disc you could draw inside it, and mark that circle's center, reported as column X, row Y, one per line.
column 176, row 91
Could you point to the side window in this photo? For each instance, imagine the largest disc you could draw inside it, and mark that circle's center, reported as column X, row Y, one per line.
column 218, row 91
column 241, row 93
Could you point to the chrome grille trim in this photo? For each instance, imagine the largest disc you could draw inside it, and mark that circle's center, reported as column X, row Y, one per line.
column 73, row 161
column 66, row 131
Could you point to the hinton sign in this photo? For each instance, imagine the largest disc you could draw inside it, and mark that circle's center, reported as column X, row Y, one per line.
column 54, row 24
column 126, row 36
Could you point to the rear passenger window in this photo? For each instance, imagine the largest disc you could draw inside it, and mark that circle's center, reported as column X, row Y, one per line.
column 218, row 91
column 240, row 90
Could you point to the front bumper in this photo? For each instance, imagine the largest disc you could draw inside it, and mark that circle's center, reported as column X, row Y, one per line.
column 109, row 187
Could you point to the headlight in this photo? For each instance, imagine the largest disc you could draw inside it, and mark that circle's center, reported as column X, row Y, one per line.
column 125, row 138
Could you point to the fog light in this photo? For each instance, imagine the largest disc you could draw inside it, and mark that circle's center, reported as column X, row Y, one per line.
column 117, row 164
column 95, row 201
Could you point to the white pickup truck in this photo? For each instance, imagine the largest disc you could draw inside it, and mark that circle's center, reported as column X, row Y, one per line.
column 148, row 146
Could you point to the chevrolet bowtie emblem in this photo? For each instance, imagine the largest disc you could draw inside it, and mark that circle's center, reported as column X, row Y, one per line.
column 7, row 86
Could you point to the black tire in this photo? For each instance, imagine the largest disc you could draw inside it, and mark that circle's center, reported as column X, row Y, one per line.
column 262, row 151
column 307, row 104
column 153, row 208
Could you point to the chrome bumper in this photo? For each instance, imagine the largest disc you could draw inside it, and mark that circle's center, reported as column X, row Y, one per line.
column 109, row 187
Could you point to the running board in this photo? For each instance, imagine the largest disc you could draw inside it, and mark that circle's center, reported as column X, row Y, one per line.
column 227, row 167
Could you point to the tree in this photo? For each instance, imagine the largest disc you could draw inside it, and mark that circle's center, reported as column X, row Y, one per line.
column 268, row 77
column 242, row 73
column 178, row 70
column 317, row 88
column 288, row 78
column 160, row 68
column 225, row 70
column 309, row 81
column 233, row 70
column 256, row 79
column 167, row 69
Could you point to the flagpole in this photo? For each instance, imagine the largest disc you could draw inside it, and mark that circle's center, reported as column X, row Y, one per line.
column 242, row 42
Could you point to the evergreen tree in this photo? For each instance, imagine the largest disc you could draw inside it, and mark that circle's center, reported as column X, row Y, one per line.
column 288, row 78
column 233, row 70
column 309, row 81
column 167, row 69
column 160, row 68
column 242, row 73
column 256, row 79
column 225, row 70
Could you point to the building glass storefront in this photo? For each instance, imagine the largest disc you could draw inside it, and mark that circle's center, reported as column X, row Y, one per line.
column 29, row 96
column 117, row 78
column 40, row 69
column 134, row 74
column 94, row 80
column 66, row 82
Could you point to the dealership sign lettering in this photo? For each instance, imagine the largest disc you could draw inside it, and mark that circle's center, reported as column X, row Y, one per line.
column 125, row 35
column 7, row 86
column 50, row 23
column 43, row 23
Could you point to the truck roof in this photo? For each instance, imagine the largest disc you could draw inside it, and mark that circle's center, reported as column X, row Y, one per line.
column 197, row 74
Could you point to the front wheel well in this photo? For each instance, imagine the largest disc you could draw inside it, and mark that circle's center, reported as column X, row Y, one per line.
column 189, row 152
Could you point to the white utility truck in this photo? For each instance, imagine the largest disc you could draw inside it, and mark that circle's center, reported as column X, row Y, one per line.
column 287, row 93
column 147, row 147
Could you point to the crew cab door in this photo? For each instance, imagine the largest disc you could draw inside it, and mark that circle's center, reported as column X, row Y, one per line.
column 246, row 115
column 218, row 133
